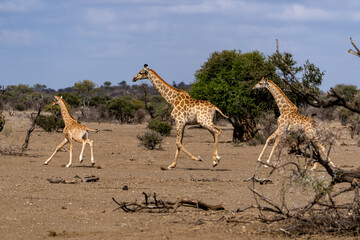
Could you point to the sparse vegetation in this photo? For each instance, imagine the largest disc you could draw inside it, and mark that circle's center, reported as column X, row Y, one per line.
column 150, row 139
column 159, row 126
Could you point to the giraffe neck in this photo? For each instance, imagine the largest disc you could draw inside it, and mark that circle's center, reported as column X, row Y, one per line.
column 283, row 103
column 68, row 119
column 168, row 92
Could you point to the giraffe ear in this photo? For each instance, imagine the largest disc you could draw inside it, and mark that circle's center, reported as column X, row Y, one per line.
column 266, row 81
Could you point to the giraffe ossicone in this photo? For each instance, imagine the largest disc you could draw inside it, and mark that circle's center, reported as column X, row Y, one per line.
column 72, row 130
column 186, row 111
column 289, row 119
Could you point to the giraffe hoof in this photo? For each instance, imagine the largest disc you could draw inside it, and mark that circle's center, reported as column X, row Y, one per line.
column 68, row 165
column 199, row 159
column 45, row 163
column 217, row 160
column 92, row 164
column 81, row 161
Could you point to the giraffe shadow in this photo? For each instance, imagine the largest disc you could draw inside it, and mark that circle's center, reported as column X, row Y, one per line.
column 85, row 166
column 207, row 169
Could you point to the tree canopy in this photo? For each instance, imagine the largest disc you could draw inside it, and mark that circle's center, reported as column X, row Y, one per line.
column 226, row 80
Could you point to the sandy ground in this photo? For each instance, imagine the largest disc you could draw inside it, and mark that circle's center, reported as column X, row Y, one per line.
column 33, row 208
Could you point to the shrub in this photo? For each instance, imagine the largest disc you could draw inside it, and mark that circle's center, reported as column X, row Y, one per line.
column 150, row 139
column 49, row 123
column 159, row 126
column 20, row 107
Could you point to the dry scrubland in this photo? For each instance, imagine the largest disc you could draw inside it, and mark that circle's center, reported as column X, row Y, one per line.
column 33, row 208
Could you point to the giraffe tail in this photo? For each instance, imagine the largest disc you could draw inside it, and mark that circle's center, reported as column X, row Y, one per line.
column 92, row 130
column 217, row 109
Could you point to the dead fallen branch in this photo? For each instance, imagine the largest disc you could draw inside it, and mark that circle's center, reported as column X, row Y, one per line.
column 159, row 205
column 85, row 179
column 258, row 180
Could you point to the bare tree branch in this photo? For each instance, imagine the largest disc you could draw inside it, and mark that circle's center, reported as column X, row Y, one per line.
column 334, row 99
column 357, row 52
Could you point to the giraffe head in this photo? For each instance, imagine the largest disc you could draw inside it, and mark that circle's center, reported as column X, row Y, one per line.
column 264, row 83
column 143, row 74
column 56, row 101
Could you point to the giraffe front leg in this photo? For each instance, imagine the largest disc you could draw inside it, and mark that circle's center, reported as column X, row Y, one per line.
column 70, row 150
column 277, row 140
column 272, row 136
column 179, row 146
column 56, row 150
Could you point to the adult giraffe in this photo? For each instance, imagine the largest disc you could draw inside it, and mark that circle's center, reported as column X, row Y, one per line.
column 289, row 119
column 186, row 110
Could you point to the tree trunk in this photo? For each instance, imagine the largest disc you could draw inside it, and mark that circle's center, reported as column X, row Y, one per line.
column 244, row 129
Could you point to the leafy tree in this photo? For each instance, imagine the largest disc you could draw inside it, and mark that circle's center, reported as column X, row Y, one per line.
column 39, row 87
column 85, row 89
column 107, row 84
column 71, row 99
column 99, row 100
column 226, row 80
column 123, row 108
column 311, row 76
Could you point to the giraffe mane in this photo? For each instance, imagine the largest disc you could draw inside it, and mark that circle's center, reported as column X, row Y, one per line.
column 282, row 92
column 168, row 85
column 60, row 98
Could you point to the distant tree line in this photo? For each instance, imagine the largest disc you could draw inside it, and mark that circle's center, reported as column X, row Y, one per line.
column 225, row 79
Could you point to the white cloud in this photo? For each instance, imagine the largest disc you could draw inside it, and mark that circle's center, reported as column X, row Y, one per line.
column 16, row 38
column 100, row 16
column 299, row 12
column 19, row 5
column 202, row 7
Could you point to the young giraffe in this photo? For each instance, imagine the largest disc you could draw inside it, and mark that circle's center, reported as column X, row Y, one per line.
column 186, row 110
column 72, row 130
column 289, row 119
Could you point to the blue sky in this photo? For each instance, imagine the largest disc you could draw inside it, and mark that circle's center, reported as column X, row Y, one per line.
column 60, row 42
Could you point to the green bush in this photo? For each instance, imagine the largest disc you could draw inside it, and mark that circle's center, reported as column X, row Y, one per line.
column 150, row 139
column 20, row 107
column 49, row 123
column 159, row 126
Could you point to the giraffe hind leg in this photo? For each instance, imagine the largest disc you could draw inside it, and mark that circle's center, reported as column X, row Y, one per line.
column 216, row 132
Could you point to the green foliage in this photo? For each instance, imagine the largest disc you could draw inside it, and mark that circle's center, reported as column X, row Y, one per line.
column 123, row 108
column 99, row 100
column 85, row 89
column 348, row 92
column 311, row 75
column 107, row 84
column 49, row 123
column 159, row 126
column 20, row 89
column 20, row 106
column 158, row 107
column 226, row 80
column 150, row 139
column 71, row 99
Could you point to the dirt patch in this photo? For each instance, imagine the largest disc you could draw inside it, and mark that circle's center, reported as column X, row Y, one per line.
column 33, row 208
